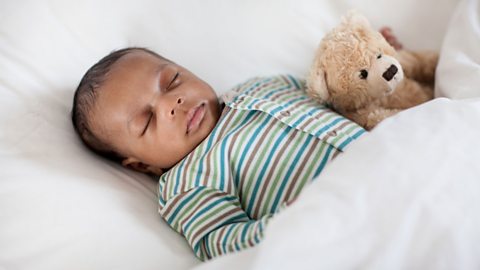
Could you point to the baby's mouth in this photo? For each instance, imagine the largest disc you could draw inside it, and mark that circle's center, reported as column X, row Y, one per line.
column 195, row 117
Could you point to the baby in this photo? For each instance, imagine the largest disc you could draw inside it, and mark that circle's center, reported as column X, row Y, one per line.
column 225, row 166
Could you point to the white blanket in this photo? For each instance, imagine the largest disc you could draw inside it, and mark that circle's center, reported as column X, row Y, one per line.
column 406, row 196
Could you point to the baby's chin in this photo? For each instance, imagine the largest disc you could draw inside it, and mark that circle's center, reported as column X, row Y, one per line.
column 211, row 118
column 216, row 109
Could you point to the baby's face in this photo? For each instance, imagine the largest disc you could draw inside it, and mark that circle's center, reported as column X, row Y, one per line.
column 152, row 111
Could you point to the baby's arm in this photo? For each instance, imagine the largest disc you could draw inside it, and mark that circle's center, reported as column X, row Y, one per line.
column 391, row 38
column 212, row 221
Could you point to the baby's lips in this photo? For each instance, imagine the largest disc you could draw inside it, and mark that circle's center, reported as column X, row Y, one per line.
column 195, row 117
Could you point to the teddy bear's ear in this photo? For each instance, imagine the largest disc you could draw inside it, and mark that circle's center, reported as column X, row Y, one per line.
column 355, row 18
column 317, row 86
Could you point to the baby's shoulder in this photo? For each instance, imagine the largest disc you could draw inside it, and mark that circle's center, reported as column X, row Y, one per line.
column 278, row 81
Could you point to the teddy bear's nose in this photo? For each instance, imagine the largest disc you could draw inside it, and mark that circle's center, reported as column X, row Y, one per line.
column 391, row 71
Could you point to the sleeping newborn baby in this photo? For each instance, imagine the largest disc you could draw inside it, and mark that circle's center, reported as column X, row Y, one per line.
column 225, row 166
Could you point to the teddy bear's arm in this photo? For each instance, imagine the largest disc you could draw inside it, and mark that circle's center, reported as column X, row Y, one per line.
column 419, row 66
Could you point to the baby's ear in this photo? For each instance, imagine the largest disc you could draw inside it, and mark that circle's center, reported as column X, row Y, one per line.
column 317, row 85
column 136, row 165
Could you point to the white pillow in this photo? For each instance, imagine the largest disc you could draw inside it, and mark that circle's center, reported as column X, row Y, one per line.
column 458, row 72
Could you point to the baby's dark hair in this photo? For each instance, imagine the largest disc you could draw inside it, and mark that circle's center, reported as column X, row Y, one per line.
column 84, row 99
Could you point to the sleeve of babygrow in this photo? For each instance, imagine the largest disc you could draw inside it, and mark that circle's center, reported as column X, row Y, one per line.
column 212, row 221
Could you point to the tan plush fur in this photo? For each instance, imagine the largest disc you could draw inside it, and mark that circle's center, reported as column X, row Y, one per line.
column 362, row 77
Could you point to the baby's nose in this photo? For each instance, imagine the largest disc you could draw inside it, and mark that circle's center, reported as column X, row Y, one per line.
column 391, row 71
column 179, row 101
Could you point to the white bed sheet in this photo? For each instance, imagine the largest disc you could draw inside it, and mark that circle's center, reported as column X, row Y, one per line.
column 62, row 207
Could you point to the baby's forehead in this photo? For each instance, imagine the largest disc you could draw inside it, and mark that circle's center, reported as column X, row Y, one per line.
column 137, row 58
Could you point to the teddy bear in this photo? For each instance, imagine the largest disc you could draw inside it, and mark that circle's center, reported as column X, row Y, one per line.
column 358, row 74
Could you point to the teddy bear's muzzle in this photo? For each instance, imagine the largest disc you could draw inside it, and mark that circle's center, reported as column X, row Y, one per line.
column 391, row 71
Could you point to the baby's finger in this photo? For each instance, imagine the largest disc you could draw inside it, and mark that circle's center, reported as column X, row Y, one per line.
column 390, row 37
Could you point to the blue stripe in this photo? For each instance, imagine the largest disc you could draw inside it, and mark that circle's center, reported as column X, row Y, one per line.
column 197, row 247
column 226, row 236
column 276, row 110
column 252, row 103
column 207, row 248
column 247, row 148
column 179, row 171
column 245, row 230
column 350, row 139
column 206, row 209
column 327, row 126
column 275, row 91
column 360, row 132
column 255, row 237
column 223, row 146
column 160, row 191
column 209, row 145
column 182, row 204
column 265, row 167
column 324, row 161
column 347, row 141
column 161, row 200
column 250, row 88
column 285, row 105
column 260, row 229
column 227, row 222
column 223, row 162
column 256, row 85
column 290, row 171
column 297, row 85
column 207, row 149
column 294, row 101
column 303, row 117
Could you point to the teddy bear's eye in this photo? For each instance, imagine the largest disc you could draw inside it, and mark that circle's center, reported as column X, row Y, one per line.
column 379, row 56
column 363, row 74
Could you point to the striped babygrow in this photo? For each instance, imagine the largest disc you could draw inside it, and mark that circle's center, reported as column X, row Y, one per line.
column 271, row 139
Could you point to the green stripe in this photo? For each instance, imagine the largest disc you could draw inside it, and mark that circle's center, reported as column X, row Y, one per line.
column 242, row 138
column 276, row 132
column 230, row 242
column 188, row 209
column 208, row 217
column 276, row 178
column 343, row 135
column 317, row 159
column 234, row 122
column 237, row 120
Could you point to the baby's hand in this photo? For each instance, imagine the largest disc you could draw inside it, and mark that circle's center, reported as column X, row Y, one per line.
column 387, row 33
